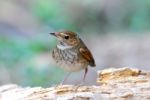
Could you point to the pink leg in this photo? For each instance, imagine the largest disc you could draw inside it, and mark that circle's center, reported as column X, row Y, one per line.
column 66, row 77
column 86, row 70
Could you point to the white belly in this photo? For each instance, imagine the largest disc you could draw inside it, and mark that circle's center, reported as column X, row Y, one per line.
column 72, row 67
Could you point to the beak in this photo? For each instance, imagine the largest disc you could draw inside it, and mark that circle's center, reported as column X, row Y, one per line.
column 54, row 34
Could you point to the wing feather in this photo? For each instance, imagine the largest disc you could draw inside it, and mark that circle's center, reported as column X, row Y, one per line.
column 88, row 56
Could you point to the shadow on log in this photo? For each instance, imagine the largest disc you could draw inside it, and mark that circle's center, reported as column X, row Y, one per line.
column 113, row 84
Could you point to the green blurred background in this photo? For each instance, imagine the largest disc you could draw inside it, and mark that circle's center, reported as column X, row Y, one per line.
column 116, row 31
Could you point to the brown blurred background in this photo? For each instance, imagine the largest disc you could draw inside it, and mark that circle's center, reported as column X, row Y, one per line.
column 116, row 31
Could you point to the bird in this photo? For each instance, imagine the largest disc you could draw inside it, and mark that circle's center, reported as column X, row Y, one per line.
column 71, row 53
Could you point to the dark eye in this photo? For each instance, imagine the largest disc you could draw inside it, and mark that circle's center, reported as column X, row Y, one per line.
column 66, row 37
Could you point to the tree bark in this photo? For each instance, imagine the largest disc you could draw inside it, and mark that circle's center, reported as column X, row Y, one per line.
column 113, row 84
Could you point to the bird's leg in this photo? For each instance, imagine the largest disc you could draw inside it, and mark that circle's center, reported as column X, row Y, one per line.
column 83, row 80
column 65, row 78
column 82, row 83
column 85, row 73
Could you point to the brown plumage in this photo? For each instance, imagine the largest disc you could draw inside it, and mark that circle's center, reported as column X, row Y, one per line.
column 71, row 53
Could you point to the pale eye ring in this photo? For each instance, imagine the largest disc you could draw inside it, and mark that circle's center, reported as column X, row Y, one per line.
column 66, row 37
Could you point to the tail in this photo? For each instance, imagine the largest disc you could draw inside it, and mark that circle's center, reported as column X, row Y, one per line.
column 92, row 63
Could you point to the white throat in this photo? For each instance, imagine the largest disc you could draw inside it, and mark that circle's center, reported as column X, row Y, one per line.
column 63, row 46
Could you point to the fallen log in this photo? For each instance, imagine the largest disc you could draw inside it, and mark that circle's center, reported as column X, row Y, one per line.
column 113, row 84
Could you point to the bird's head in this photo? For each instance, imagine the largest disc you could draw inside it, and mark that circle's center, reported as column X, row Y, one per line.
column 66, row 39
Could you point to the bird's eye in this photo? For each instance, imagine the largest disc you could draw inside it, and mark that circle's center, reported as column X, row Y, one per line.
column 66, row 37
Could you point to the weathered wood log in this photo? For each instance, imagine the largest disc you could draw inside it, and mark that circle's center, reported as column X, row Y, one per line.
column 113, row 84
